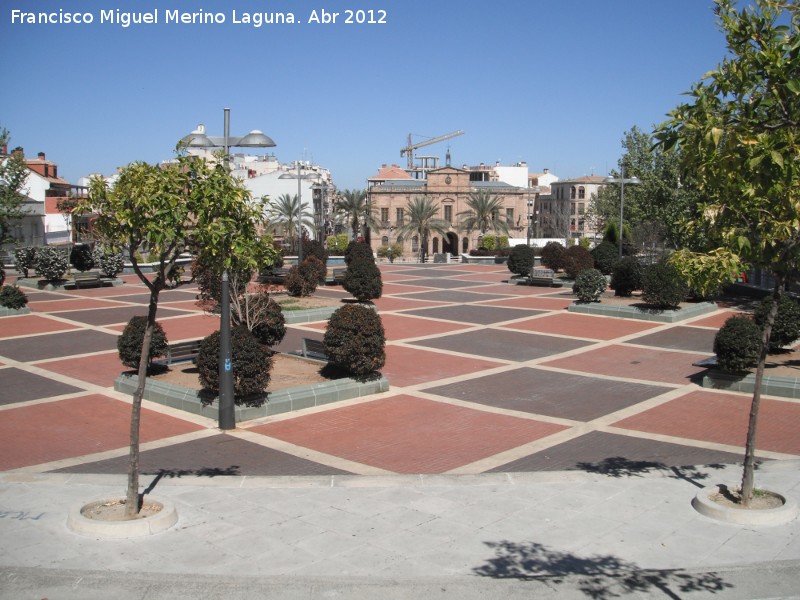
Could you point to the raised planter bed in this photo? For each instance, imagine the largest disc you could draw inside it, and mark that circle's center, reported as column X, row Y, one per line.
column 645, row 314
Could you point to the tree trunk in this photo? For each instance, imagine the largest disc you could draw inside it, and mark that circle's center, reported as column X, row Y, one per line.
column 132, row 501
column 750, row 445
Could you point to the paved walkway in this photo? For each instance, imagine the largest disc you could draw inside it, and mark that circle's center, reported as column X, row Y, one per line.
column 518, row 441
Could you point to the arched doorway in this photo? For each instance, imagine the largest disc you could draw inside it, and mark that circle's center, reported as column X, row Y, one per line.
column 450, row 243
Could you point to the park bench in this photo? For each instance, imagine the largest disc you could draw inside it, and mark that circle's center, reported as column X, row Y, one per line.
column 273, row 276
column 87, row 280
column 540, row 276
column 181, row 351
column 314, row 349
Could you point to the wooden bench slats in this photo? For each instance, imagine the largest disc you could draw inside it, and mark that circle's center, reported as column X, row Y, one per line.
column 314, row 349
column 183, row 351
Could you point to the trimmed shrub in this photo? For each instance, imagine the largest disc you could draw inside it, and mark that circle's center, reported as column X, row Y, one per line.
column 737, row 344
column 270, row 328
column 208, row 278
column 316, row 249
column 605, row 254
column 589, row 285
column 663, row 286
column 363, row 279
column 355, row 249
column 110, row 262
column 520, row 260
column 355, row 341
column 303, row 280
column 479, row 252
column 2, row 274
column 12, row 297
column 626, row 276
column 250, row 361
column 50, row 263
column 553, row 256
column 81, row 257
column 575, row 260
column 24, row 259
column 337, row 244
column 391, row 251
column 786, row 328
column 129, row 343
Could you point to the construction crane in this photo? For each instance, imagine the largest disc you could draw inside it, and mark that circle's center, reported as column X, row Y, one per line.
column 409, row 150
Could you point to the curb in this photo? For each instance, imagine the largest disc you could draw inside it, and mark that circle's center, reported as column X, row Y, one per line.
column 150, row 525
column 742, row 516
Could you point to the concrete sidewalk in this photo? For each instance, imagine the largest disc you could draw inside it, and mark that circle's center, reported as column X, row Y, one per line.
column 492, row 535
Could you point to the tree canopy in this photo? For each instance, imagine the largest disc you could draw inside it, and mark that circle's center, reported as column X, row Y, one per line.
column 13, row 177
column 422, row 219
column 738, row 137
column 485, row 213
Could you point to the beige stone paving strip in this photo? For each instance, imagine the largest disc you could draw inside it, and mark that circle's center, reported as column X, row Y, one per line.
column 308, row 454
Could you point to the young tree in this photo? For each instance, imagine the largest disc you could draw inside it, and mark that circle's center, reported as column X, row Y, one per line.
column 352, row 208
column 422, row 220
column 739, row 136
column 285, row 212
column 187, row 204
column 13, row 177
column 485, row 213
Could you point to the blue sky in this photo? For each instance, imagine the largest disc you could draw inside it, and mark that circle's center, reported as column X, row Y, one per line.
column 555, row 83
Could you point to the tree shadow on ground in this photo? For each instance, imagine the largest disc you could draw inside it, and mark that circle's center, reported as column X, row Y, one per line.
column 599, row 576
column 619, row 466
column 177, row 473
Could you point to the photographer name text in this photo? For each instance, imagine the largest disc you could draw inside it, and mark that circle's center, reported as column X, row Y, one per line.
column 159, row 16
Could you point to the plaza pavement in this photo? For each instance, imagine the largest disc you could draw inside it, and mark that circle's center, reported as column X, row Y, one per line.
column 521, row 447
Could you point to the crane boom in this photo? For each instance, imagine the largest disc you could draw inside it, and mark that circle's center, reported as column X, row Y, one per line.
column 409, row 149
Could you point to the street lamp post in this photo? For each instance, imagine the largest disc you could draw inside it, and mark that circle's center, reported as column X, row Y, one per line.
column 322, row 225
column 622, row 181
column 530, row 215
column 299, row 178
column 199, row 139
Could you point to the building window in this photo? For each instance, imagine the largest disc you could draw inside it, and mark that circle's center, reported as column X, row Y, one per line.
column 465, row 245
column 571, row 209
column 581, row 208
column 435, row 245
column 581, row 193
column 385, row 240
column 415, row 244
column 399, row 214
column 510, row 216
column 448, row 213
column 572, row 193
column 385, row 216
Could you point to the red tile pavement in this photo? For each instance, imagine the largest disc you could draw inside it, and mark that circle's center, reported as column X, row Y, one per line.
column 31, row 324
column 55, row 430
column 405, row 434
column 716, row 321
column 412, row 366
column 634, row 363
column 183, row 304
column 53, row 306
column 404, row 289
column 99, row 369
column 191, row 327
column 533, row 302
column 723, row 418
column 586, row 326
column 485, row 278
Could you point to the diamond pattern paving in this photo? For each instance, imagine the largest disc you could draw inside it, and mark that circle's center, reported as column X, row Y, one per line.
column 55, row 345
column 20, row 386
column 428, row 366
column 693, row 339
column 550, row 393
column 405, row 434
column 506, row 345
column 585, row 326
column 478, row 314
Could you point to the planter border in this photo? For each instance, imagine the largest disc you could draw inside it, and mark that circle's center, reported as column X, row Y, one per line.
column 632, row 312
column 772, row 385
column 97, row 528
column 742, row 516
column 7, row 312
column 277, row 402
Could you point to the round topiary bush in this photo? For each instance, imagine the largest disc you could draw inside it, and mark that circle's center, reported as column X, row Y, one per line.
column 575, row 260
column 12, row 297
column 626, row 276
column 110, row 262
column 363, row 279
column 50, row 263
column 663, row 286
column 357, row 249
column 317, row 266
column 24, row 259
column 605, row 254
column 589, row 285
column 129, row 343
column 2, row 275
column 82, row 257
column 552, row 256
column 737, row 344
column 303, row 280
column 520, row 260
column 786, row 328
column 355, row 340
column 250, row 361
column 316, row 249
column 271, row 326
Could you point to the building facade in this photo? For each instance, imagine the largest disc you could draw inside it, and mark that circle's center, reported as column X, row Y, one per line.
column 391, row 190
column 565, row 211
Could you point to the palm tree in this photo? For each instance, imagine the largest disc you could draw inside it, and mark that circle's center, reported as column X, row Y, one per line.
column 422, row 220
column 352, row 208
column 484, row 213
column 284, row 212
